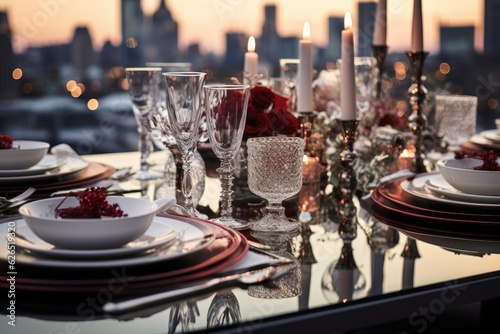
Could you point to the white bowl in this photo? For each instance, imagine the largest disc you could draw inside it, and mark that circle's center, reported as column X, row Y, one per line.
column 91, row 233
column 460, row 173
column 28, row 154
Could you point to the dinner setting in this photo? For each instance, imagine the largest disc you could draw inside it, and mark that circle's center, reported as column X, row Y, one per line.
column 360, row 194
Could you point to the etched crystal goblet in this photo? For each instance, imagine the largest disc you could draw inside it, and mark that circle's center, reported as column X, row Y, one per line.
column 226, row 111
column 184, row 109
column 275, row 173
column 144, row 92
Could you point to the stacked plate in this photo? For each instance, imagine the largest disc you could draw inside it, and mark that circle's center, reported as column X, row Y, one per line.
column 51, row 174
column 485, row 140
column 426, row 207
column 173, row 250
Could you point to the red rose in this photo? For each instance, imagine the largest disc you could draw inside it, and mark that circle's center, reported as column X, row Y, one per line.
column 283, row 122
column 261, row 97
column 226, row 110
column 280, row 102
column 395, row 121
column 257, row 125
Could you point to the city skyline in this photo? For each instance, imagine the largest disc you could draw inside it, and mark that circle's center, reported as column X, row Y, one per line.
column 48, row 22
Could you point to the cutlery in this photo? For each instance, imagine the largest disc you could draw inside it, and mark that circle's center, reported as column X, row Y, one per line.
column 21, row 197
column 113, row 189
column 122, row 174
column 245, row 278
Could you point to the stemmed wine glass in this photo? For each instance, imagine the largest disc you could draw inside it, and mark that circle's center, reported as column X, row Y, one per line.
column 144, row 92
column 275, row 173
column 184, row 109
column 226, row 111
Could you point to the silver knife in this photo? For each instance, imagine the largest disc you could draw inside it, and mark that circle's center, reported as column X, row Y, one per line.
column 246, row 278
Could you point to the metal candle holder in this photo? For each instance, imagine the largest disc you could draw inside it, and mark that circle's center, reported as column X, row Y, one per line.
column 348, row 182
column 417, row 121
column 379, row 53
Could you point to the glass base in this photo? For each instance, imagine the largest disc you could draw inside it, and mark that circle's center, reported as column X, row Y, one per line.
column 273, row 222
column 193, row 212
column 232, row 223
column 142, row 175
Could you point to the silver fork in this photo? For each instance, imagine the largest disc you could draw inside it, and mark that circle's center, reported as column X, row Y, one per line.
column 21, row 197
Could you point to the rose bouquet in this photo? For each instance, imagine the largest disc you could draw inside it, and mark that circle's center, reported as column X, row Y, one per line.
column 268, row 115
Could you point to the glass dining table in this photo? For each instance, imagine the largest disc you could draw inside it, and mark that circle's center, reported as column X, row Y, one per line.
column 381, row 277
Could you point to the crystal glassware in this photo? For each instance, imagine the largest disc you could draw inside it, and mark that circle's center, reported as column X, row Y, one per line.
column 275, row 173
column 184, row 109
column 226, row 111
column 164, row 140
column 455, row 118
column 144, row 93
column 289, row 69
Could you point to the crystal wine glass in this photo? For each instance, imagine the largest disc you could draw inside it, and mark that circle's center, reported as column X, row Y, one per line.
column 275, row 173
column 289, row 69
column 144, row 92
column 184, row 109
column 164, row 140
column 226, row 111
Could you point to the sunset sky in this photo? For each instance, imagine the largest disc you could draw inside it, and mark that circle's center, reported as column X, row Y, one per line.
column 40, row 22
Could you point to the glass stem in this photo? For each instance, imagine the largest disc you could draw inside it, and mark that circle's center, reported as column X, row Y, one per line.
column 226, row 179
column 145, row 147
column 275, row 209
column 187, row 182
column 179, row 174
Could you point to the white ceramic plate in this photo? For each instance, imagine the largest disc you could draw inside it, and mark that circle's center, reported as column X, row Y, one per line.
column 48, row 162
column 483, row 142
column 416, row 187
column 158, row 235
column 440, row 187
column 71, row 165
column 196, row 236
column 493, row 135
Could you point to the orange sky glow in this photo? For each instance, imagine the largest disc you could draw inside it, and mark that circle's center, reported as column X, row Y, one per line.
column 41, row 22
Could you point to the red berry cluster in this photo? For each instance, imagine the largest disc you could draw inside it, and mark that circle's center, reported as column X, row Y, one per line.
column 6, row 142
column 489, row 159
column 92, row 204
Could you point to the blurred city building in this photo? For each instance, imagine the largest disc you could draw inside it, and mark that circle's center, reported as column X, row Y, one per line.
column 491, row 28
column 366, row 25
column 335, row 27
column 44, row 90
column 456, row 41
column 7, row 65
column 161, row 34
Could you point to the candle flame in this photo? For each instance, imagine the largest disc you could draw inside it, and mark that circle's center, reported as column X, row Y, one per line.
column 251, row 44
column 306, row 31
column 407, row 154
column 347, row 21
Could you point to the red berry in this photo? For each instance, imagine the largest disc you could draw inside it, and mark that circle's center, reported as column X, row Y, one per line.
column 92, row 204
column 6, row 142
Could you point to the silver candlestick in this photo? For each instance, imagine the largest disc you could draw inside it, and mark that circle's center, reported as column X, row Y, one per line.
column 348, row 182
column 417, row 121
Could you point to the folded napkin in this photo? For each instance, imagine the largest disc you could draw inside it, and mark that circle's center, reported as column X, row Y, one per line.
column 63, row 151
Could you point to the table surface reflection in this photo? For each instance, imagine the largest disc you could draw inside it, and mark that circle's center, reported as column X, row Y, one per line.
column 385, row 287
